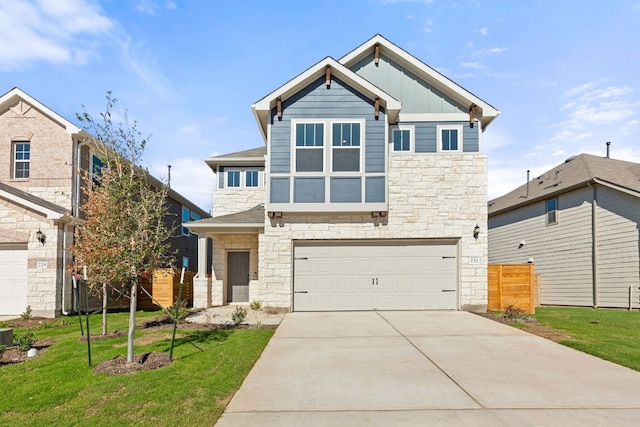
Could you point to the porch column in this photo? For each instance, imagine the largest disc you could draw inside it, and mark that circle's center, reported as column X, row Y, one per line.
column 202, row 284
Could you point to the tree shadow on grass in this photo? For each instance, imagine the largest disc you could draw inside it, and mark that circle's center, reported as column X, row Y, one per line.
column 196, row 337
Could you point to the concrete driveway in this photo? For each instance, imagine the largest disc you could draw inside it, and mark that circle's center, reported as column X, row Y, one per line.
column 427, row 368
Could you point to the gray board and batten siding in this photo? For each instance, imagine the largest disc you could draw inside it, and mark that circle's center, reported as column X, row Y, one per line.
column 564, row 252
column 416, row 95
column 316, row 101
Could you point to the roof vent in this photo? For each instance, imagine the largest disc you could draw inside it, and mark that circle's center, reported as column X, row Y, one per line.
column 570, row 158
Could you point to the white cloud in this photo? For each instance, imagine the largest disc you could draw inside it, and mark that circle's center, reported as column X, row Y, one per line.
column 483, row 31
column 147, row 6
column 473, row 65
column 50, row 31
column 170, row 5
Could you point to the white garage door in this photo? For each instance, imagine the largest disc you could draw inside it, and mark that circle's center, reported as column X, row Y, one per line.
column 336, row 276
column 13, row 280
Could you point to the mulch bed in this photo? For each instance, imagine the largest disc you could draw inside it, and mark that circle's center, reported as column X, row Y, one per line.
column 141, row 362
column 13, row 355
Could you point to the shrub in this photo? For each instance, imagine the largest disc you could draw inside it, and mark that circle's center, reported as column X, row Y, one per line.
column 239, row 315
column 2, row 349
column 183, row 311
column 25, row 340
column 255, row 305
column 26, row 314
column 515, row 314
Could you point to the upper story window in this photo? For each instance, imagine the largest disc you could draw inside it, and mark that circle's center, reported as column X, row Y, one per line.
column 402, row 138
column 21, row 159
column 186, row 217
column 96, row 169
column 309, row 140
column 233, row 178
column 251, row 178
column 449, row 138
column 552, row 211
column 346, row 147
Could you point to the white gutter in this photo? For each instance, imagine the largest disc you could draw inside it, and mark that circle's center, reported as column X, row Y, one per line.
column 594, row 246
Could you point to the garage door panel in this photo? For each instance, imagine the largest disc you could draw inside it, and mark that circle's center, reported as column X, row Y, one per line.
column 376, row 276
column 13, row 281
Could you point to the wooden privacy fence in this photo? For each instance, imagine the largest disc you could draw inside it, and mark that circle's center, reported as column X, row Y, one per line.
column 512, row 285
column 164, row 287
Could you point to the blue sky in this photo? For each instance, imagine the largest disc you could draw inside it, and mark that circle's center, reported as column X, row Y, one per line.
column 564, row 74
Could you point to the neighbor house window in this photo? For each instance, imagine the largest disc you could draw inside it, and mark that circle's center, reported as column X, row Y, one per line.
column 21, row 159
column 233, row 178
column 345, row 147
column 449, row 138
column 402, row 138
column 186, row 216
column 552, row 211
column 309, row 140
column 96, row 170
column 251, row 179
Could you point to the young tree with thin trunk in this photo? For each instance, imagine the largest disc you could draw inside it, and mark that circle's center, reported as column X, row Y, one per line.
column 124, row 236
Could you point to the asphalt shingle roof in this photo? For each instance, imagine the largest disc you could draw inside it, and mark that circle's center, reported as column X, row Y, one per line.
column 575, row 172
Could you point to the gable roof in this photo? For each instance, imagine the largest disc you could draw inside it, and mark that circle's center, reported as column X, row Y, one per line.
column 487, row 112
column 252, row 157
column 262, row 108
column 16, row 93
column 29, row 201
column 575, row 172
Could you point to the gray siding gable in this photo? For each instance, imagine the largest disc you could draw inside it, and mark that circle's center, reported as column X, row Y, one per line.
column 415, row 94
column 317, row 102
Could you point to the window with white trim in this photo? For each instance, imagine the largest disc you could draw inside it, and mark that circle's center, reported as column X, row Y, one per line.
column 345, row 147
column 309, row 143
column 21, row 159
column 233, row 178
column 402, row 138
column 251, row 178
column 449, row 138
column 552, row 211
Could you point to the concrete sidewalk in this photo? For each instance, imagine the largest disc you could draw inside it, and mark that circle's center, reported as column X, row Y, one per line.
column 427, row 368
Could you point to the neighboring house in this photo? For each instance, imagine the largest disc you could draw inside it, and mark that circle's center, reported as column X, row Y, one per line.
column 40, row 189
column 370, row 193
column 578, row 223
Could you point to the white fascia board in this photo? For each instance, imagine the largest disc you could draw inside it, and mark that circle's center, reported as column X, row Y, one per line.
column 220, row 227
column 262, row 108
column 50, row 214
column 18, row 93
column 327, row 208
column 214, row 162
column 457, row 92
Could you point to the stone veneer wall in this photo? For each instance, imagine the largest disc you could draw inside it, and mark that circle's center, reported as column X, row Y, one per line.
column 223, row 243
column 19, row 225
column 439, row 196
column 232, row 200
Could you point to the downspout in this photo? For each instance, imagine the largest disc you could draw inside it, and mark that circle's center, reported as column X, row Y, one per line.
column 64, row 266
column 594, row 246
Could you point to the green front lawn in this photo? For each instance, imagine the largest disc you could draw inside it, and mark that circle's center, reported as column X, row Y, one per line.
column 59, row 388
column 612, row 335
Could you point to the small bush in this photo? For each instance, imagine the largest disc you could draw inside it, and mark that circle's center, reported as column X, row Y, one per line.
column 183, row 311
column 26, row 314
column 255, row 305
column 2, row 349
column 258, row 325
column 515, row 314
column 25, row 340
column 239, row 315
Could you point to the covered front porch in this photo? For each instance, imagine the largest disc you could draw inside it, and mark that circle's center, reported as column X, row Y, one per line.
column 232, row 240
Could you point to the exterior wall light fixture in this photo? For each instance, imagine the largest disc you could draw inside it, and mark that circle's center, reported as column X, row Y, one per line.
column 476, row 231
column 40, row 236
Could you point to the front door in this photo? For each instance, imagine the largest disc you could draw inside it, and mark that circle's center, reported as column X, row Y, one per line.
column 238, row 276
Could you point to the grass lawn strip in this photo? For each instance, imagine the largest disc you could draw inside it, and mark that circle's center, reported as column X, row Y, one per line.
column 58, row 387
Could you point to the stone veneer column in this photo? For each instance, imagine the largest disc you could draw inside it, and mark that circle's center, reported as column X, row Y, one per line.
column 202, row 284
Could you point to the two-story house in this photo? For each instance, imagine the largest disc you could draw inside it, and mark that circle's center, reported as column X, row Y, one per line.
column 369, row 194
column 43, row 155
column 579, row 224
